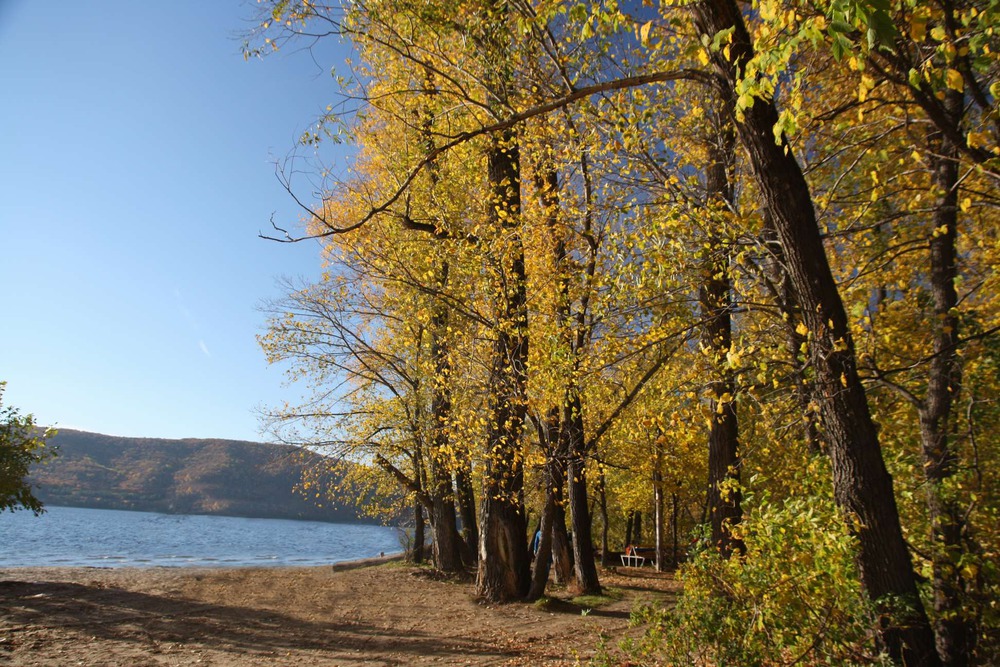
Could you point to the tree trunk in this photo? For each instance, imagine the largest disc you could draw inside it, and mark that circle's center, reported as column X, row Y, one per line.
column 571, row 433
column 561, row 559
column 446, row 548
column 603, row 497
column 715, row 297
column 579, row 510
column 862, row 485
column 467, row 508
column 661, row 545
column 675, row 514
column 543, row 557
column 417, row 549
column 955, row 630
column 795, row 342
column 446, row 545
column 504, row 572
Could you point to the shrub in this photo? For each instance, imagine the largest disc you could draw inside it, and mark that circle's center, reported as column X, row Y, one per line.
column 793, row 598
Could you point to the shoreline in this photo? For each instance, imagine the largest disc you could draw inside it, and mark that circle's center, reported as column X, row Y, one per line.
column 336, row 566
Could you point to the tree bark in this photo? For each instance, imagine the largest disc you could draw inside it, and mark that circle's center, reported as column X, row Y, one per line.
column 467, row 508
column 543, row 557
column 862, row 485
column 661, row 545
column 417, row 550
column 603, row 498
column 571, row 432
column 584, row 564
column 443, row 520
column 504, row 573
column 675, row 517
column 561, row 558
column 955, row 631
column 724, row 493
column 795, row 342
column 446, row 548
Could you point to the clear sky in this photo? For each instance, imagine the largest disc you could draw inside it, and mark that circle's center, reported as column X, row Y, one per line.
column 138, row 150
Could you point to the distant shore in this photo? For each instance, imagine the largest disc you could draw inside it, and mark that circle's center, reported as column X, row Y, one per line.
column 373, row 611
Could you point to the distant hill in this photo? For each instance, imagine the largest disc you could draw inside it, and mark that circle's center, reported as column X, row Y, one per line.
column 188, row 476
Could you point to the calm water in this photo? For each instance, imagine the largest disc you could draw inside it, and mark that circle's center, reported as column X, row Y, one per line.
column 110, row 538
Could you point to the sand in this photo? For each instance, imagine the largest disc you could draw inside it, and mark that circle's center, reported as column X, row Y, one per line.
column 363, row 613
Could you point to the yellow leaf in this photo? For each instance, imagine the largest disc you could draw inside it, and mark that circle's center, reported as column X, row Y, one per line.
column 644, row 32
column 954, row 79
column 978, row 139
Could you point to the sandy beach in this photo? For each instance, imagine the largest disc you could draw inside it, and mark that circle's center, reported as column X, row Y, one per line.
column 362, row 613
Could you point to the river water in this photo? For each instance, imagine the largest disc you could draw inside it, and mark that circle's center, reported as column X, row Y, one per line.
column 73, row 536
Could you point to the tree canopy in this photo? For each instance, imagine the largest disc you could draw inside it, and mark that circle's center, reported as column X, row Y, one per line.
column 727, row 266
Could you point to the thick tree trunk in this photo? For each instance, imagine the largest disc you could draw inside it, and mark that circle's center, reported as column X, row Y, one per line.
column 579, row 510
column 955, row 631
column 862, row 485
column 417, row 550
column 504, row 572
column 446, row 543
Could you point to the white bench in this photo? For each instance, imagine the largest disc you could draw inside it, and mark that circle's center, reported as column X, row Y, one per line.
column 633, row 561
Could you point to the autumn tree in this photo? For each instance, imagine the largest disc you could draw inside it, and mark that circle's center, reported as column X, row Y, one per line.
column 685, row 209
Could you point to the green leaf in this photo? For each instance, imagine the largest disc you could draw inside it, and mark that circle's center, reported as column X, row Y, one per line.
column 840, row 26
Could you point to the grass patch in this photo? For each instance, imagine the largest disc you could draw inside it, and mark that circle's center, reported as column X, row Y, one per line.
column 542, row 603
column 596, row 601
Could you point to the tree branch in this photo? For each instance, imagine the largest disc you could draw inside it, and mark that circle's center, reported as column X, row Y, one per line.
column 459, row 139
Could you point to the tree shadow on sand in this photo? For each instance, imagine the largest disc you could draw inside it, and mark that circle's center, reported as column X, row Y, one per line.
column 128, row 616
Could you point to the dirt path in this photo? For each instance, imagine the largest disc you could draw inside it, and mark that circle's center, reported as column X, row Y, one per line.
column 390, row 614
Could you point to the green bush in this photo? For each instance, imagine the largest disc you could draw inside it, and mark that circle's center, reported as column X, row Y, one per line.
column 21, row 446
column 793, row 598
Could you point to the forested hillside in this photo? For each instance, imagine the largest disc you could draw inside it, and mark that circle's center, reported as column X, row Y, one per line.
column 726, row 271
column 190, row 476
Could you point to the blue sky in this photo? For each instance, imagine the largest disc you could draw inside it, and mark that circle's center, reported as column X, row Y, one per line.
column 138, row 151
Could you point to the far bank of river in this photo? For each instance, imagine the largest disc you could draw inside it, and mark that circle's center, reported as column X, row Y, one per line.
column 73, row 536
